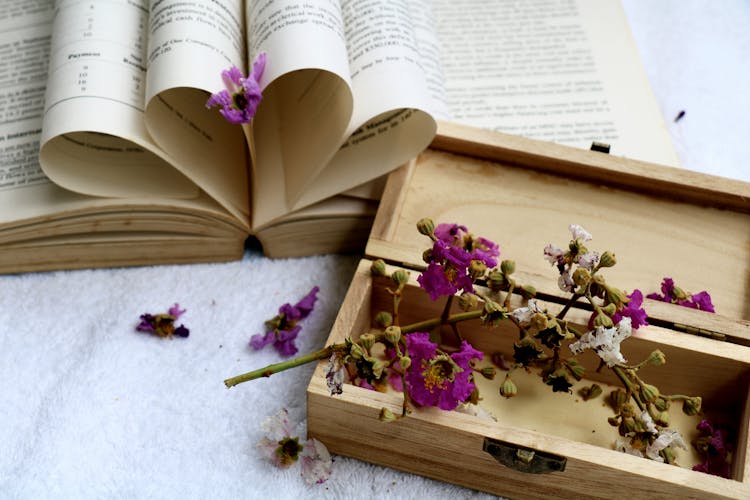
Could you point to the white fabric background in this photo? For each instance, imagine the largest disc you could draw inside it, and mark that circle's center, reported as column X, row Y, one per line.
column 91, row 409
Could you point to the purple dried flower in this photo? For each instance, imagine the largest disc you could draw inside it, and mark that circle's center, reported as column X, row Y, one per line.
column 675, row 295
column 239, row 100
column 633, row 310
column 163, row 325
column 435, row 378
column 452, row 254
column 283, row 328
column 713, row 445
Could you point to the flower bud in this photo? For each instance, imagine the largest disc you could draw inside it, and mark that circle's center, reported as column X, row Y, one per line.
column 679, row 294
column 356, row 352
column 576, row 369
column 473, row 397
column 508, row 267
column 613, row 421
column 488, row 372
column 393, row 334
column 427, row 255
column 609, row 309
column 656, row 358
column 539, row 321
column 383, row 319
column 627, row 425
column 692, row 406
column 618, row 398
column 527, row 292
column 581, row 277
column 404, row 362
column 468, row 301
column 607, row 259
column 591, row 392
column 377, row 368
column 662, row 418
column 509, row 388
column 377, row 268
column 477, row 269
column 616, row 296
column 367, row 340
column 649, row 393
column 603, row 320
column 400, row 277
column 426, row 226
column 496, row 281
column 661, row 404
column 386, row 415
column 668, row 454
column 627, row 410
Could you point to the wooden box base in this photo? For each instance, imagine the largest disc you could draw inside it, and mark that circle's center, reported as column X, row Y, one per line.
column 452, row 446
column 523, row 194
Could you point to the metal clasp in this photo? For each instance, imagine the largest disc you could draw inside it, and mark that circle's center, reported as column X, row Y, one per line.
column 523, row 459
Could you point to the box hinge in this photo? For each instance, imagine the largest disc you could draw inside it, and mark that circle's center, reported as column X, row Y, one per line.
column 523, row 459
column 702, row 332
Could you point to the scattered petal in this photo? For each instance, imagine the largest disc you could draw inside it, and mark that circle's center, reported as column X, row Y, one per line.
column 283, row 328
column 163, row 324
column 316, row 462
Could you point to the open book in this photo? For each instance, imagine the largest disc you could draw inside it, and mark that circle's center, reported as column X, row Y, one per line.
column 110, row 156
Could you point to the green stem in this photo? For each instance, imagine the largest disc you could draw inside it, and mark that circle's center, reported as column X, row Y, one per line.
column 632, row 388
column 284, row 365
column 327, row 351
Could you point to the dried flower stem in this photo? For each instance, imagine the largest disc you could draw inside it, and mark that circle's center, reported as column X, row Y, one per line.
column 326, row 352
column 269, row 370
column 573, row 299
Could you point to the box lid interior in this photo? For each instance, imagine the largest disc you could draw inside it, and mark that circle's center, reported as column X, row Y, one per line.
column 523, row 194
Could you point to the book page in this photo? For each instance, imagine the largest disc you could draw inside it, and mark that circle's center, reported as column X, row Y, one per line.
column 25, row 32
column 94, row 140
column 190, row 42
column 560, row 70
column 307, row 97
column 394, row 99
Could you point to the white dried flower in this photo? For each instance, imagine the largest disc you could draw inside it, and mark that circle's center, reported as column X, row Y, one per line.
column 524, row 314
column 666, row 438
column 588, row 260
column 553, row 254
column 605, row 342
column 579, row 233
column 565, row 282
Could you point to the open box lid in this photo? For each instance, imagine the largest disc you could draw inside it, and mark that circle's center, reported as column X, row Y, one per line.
column 523, row 194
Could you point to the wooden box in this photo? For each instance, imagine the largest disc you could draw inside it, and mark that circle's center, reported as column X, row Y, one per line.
column 523, row 194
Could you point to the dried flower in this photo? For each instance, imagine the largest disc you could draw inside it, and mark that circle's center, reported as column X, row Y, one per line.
column 163, row 325
column 524, row 314
column 633, row 310
column 605, row 342
column 713, row 445
column 579, row 233
column 239, row 100
column 283, row 328
column 436, row 378
column 675, row 295
column 665, row 438
column 283, row 449
column 450, row 260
